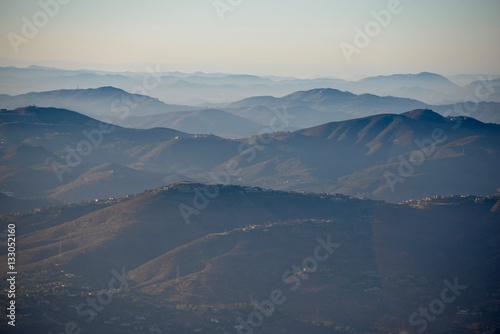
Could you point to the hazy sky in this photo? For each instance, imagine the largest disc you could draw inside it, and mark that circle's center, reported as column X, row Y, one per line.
column 266, row 37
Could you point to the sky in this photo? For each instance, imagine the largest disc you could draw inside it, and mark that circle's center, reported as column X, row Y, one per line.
column 300, row 38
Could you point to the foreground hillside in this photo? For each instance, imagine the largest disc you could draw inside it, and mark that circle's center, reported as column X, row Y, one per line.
column 196, row 257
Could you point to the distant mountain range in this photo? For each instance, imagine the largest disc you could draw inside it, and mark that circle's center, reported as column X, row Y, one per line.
column 212, row 89
column 58, row 154
column 243, row 118
column 107, row 102
column 318, row 106
column 429, row 87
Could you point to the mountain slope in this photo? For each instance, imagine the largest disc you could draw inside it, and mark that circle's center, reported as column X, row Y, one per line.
column 110, row 180
column 318, row 158
column 207, row 121
column 11, row 204
column 334, row 104
column 107, row 102
column 388, row 156
column 487, row 112
column 328, row 255
column 67, row 156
